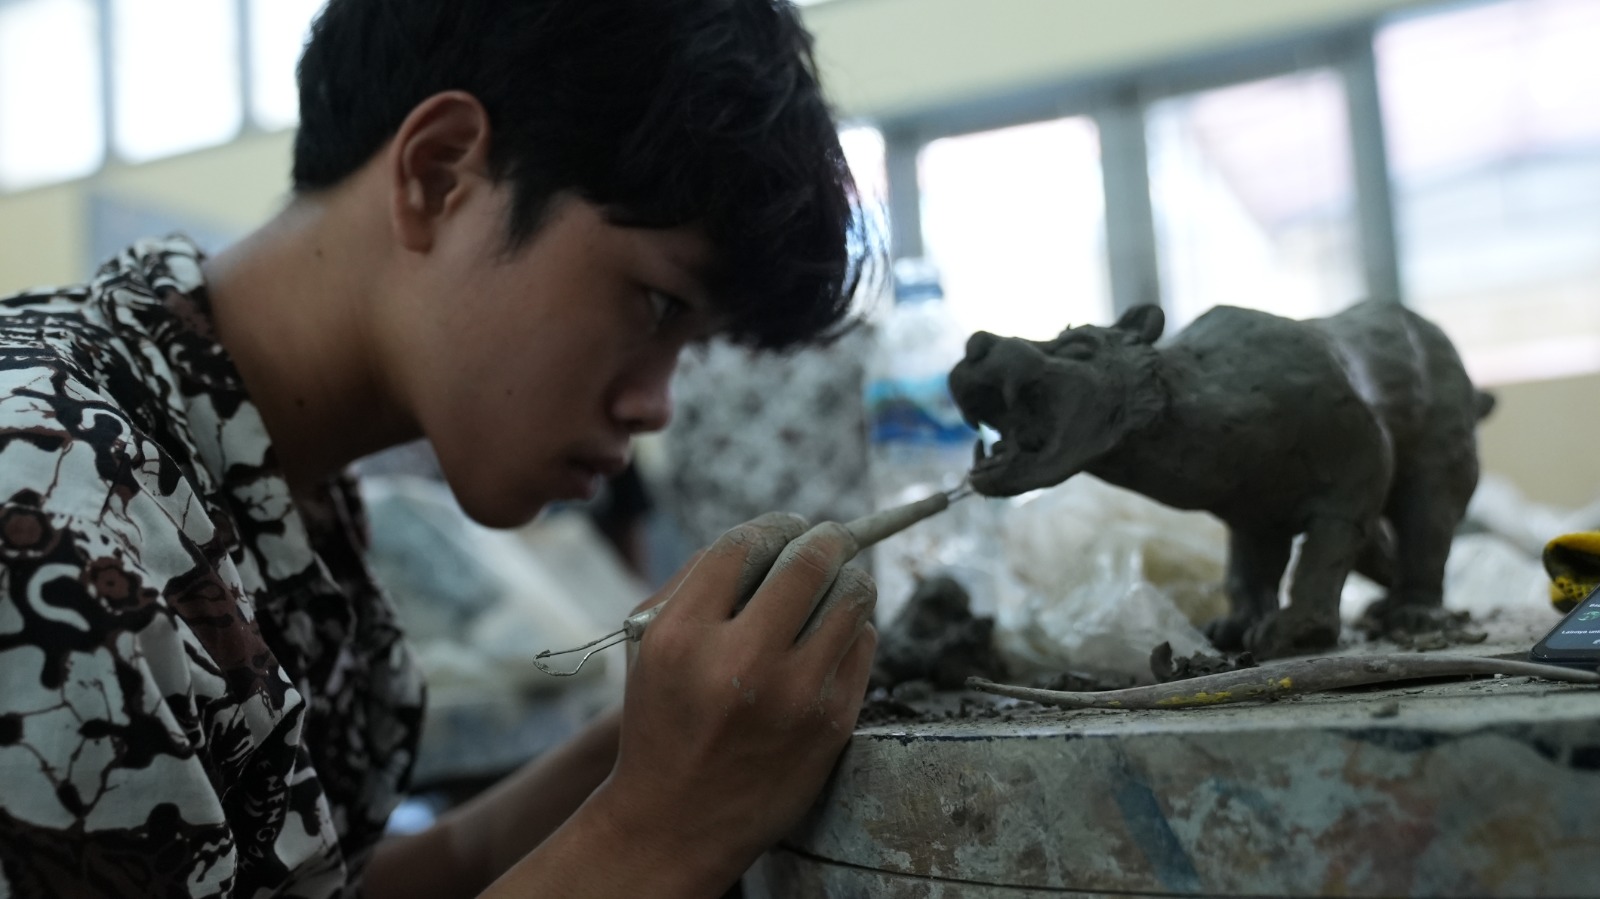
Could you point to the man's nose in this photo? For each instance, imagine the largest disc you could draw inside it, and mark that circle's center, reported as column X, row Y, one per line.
column 644, row 402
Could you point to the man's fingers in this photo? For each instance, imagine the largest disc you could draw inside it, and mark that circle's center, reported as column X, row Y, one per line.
column 773, row 532
column 850, row 681
column 799, row 580
column 839, row 616
column 740, row 558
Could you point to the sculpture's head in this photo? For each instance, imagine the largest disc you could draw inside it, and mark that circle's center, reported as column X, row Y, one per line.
column 1059, row 404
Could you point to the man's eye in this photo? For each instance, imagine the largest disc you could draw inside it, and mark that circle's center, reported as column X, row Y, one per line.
column 664, row 308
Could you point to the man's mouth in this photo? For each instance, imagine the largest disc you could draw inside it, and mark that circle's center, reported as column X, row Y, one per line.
column 607, row 465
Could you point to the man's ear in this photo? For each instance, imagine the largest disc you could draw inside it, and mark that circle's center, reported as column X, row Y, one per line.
column 440, row 150
column 1145, row 322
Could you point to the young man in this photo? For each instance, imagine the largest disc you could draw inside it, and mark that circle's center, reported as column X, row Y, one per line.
column 509, row 218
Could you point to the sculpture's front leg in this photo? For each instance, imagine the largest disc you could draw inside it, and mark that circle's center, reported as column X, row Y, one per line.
column 1256, row 562
column 1310, row 623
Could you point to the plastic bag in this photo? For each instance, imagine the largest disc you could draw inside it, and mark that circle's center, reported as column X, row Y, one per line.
column 1100, row 576
column 479, row 604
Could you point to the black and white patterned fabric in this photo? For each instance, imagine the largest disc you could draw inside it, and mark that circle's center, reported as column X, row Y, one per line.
column 754, row 432
column 202, row 693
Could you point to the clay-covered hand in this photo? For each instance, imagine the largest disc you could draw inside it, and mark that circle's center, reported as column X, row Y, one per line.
column 734, row 717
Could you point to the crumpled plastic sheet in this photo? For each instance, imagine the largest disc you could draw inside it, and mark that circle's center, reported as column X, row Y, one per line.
column 478, row 604
column 1097, row 576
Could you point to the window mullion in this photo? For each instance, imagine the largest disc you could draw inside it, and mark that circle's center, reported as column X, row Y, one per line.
column 905, row 193
column 247, row 118
column 108, row 76
column 1130, row 221
column 1369, row 154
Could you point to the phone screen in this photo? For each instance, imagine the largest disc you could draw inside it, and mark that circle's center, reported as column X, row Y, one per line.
column 1577, row 638
column 1581, row 629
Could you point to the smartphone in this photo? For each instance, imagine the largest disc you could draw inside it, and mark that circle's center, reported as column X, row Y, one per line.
column 1575, row 642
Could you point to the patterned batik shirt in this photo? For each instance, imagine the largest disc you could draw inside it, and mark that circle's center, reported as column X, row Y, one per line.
column 202, row 693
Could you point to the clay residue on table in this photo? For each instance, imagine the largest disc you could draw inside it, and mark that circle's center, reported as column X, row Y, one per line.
column 882, row 707
column 1167, row 668
column 936, row 638
column 1451, row 628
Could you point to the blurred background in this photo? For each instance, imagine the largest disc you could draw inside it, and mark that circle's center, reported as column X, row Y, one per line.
column 1056, row 161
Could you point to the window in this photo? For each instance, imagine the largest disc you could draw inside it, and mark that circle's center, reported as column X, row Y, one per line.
column 51, row 122
column 1493, row 126
column 865, row 154
column 177, row 75
column 1014, row 220
column 1252, row 189
column 278, row 32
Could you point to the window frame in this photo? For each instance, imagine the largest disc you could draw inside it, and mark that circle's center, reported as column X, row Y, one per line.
column 110, row 156
column 1118, row 101
column 102, row 46
column 244, row 62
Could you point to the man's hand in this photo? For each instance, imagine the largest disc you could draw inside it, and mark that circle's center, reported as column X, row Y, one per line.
column 733, row 721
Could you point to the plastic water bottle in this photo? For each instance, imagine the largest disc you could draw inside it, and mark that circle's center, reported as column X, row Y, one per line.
column 919, row 443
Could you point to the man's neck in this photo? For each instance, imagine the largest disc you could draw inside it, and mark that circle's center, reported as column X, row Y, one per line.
column 293, row 304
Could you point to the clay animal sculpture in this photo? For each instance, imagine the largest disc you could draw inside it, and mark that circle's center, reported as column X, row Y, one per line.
column 1356, row 431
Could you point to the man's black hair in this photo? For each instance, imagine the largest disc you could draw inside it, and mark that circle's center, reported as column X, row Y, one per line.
column 662, row 112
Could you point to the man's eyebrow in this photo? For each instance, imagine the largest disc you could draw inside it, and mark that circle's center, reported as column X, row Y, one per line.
column 692, row 259
column 699, row 271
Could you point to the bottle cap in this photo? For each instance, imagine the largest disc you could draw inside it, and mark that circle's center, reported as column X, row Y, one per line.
column 916, row 279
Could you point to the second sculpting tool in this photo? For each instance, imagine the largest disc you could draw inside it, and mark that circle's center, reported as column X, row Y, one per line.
column 867, row 530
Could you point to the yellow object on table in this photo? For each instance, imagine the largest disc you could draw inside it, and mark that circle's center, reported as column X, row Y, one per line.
column 1573, row 563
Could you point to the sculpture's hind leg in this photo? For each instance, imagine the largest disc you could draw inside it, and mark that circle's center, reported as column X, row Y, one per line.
column 1377, row 560
column 1424, row 507
column 1256, row 561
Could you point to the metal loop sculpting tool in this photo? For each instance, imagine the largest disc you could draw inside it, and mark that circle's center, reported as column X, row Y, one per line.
column 867, row 530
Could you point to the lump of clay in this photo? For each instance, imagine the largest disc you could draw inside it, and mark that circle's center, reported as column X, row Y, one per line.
column 935, row 637
column 1356, row 431
column 1166, row 666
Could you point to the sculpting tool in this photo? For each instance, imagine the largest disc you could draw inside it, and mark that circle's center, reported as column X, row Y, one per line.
column 867, row 530
column 1285, row 679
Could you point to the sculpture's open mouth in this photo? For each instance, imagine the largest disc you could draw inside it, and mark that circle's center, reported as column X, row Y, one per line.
column 1013, row 463
column 1015, row 450
column 1010, row 386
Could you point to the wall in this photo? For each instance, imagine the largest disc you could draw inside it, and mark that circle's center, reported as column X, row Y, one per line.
column 879, row 57
column 882, row 57
column 46, row 234
column 242, row 183
column 42, row 235
column 1545, row 436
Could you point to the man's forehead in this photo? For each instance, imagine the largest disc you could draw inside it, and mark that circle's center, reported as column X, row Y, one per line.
column 691, row 250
